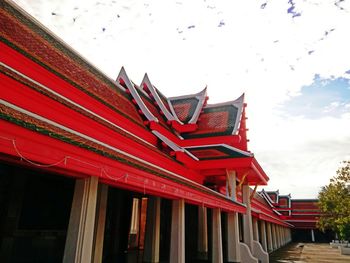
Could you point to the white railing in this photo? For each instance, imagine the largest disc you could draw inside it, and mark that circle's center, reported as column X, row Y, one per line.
column 246, row 256
column 259, row 252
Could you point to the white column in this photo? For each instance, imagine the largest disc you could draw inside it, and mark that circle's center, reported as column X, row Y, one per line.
column 202, row 233
column 233, row 247
column 217, row 237
column 79, row 241
column 101, row 210
column 289, row 233
column 278, row 236
column 255, row 229
column 312, row 235
column 274, row 237
column 281, row 234
column 269, row 237
column 152, row 235
column 247, row 218
column 231, row 184
column 263, row 235
column 177, row 243
column 285, row 235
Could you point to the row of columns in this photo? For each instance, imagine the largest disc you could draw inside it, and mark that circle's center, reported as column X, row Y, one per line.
column 277, row 236
column 177, row 243
column 85, row 233
column 272, row 237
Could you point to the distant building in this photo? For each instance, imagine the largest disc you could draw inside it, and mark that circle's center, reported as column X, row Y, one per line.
column 97, row 170
column 301, row 213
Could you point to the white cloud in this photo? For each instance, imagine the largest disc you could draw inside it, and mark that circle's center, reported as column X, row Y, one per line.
column 264, row 52
column 301, row 155
column 332, row 106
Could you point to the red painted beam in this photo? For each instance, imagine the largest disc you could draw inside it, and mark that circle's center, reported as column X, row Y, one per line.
column 237, row 163
column 50, row 154
column 256, row 175
column 35, row 102
column 229, row 140
column 183, row 127
column 272, row 220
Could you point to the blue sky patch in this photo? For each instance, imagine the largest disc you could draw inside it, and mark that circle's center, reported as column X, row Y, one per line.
column 324, row 97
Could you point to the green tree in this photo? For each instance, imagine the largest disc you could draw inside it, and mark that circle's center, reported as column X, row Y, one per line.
column 334, row 203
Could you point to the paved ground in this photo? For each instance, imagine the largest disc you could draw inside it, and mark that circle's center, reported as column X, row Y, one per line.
column 308, row 252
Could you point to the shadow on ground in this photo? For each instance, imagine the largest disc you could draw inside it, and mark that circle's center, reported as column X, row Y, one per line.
column 289, row 253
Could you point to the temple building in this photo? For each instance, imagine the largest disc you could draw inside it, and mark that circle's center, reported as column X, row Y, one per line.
column 100, row 170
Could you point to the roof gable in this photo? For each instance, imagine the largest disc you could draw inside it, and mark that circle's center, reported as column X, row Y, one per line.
column 186, row 109
column 219, row 119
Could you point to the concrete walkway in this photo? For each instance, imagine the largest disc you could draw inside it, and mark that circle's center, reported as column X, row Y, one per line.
column 308, row 252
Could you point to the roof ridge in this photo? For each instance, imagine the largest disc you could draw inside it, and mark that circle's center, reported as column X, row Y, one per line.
column 130, row 86
column 240, row 99
column 188, row 95
column 154, row 92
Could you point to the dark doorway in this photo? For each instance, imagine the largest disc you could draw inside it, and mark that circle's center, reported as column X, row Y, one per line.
column 224, row 235
column 125, row 227
column 324, row 237
column 240, row 227
column 301, row 235
column 191, row 232
column 34, row 215
column 117, row 226
column 165, row 230
column 210, row 232
column 304, row 235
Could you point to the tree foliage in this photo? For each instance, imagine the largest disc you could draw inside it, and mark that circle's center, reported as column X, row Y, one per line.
column 334, row 203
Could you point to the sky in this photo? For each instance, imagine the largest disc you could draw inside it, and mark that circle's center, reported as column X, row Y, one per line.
column 290, row 58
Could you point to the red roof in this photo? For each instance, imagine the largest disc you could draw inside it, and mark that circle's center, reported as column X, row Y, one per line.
column 216, row 139
column 48, row 52
column 182, row 139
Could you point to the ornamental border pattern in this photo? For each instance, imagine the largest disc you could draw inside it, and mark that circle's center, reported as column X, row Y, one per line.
column 39, row 126
column 69, row 105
